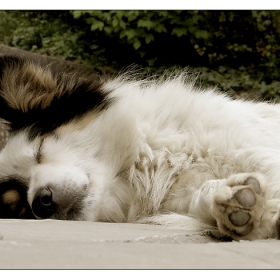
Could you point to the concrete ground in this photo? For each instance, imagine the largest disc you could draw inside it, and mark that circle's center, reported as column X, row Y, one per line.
column 51, row 244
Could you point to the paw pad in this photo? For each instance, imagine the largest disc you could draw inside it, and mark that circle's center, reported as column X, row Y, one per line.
column 239, row 218
column 254, row 183
column 245, row 198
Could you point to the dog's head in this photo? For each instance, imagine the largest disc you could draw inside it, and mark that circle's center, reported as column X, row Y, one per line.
column 48, row 168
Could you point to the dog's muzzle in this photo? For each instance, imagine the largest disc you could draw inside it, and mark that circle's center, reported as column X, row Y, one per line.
column 60, row 195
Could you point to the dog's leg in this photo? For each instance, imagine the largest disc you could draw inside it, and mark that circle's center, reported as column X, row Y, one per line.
column 237, row 206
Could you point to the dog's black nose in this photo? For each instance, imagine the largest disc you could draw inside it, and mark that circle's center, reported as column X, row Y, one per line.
column 43, row 205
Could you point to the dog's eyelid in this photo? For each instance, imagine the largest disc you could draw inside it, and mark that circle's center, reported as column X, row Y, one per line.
column 39, row 154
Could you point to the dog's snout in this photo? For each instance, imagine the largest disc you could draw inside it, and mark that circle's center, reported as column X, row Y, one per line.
column 43, row 205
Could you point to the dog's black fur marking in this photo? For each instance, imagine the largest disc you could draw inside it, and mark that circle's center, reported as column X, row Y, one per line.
column 62, row 110
column 85, row 97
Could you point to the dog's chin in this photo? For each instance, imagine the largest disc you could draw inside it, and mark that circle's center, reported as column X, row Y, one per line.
column 70, row 216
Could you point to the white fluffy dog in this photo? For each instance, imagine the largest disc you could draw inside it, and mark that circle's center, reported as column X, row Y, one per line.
column 138, row 151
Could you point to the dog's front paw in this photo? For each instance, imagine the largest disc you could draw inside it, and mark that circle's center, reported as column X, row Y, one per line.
column 239, row 205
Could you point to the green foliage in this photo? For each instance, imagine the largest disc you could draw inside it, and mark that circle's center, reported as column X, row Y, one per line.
column 7, row 24
column 144, row 31
column 240, row 83
column 47, row 32
column 196, row 38
column 236, row 50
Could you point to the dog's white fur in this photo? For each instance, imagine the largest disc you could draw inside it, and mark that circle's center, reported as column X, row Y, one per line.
column 164, row 152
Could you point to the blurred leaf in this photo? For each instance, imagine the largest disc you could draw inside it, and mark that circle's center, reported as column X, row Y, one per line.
column 137, row 44
column 145, row 23
column 179, row 31
column 149, row 38
column 77, row 14
column 97, row 24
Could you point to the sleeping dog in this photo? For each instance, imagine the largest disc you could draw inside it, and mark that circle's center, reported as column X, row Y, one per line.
column 124, row 149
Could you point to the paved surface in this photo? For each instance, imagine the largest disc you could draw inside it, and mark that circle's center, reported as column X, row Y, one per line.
column 50, row 244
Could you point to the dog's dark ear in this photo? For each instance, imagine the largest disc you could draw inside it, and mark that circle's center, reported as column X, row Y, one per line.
column 34, row 96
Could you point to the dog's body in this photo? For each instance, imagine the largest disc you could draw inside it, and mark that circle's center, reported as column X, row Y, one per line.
column 122, row 150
